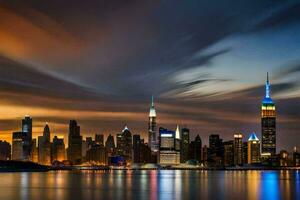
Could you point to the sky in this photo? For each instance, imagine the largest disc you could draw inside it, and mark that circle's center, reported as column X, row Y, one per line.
column 100, row 61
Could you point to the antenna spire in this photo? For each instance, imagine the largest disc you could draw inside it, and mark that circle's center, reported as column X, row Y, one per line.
column 152, row 101
column 268, row 86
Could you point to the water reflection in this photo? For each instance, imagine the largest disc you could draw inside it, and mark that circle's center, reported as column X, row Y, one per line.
column 169, row 184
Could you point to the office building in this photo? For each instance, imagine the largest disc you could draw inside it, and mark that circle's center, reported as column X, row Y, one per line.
column 168, row 155
column 18, row 140
column 58, row 149
column 238, row 149
column 136, row 148
column 27, row 143
column 185, row 143
column 215, row 151
column 74, row 152
column 253, row 149
column 44, row 146
column 195, row 150
column 228, row 153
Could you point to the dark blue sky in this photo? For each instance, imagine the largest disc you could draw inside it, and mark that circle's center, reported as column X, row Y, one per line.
column 100, row 61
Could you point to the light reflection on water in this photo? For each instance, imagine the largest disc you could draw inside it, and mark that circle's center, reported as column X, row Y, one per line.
column 168, row 184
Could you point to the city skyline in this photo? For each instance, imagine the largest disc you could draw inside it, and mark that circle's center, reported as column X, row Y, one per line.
column 57, row 65
column 267, row 101
column 268, row 130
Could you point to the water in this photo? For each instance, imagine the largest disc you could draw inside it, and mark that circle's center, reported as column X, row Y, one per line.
column 176, row 184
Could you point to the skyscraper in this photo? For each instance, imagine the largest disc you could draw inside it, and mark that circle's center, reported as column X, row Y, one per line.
column 18, row 139
column 215, row 152
column 75, row 143
column 58, row 149
column 27, row 130
column 167, row 147
column 228, row 153
column 110, row 145
column 185, row 143
column 268, row 123
column 238, row 149
column 99, row 139
column 44, row 147
column 253, row 149
column 34, row 151
column 152, row 140
column 124, row 144
column 136, row 148
column 195, row 149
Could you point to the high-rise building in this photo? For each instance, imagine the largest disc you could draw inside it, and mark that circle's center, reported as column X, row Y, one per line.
column 195, row 149
column 215, row 152
column 5, row 150
column 99, row 139
column 75, row 143
column 58, row 149
column 238, row 149
column 168, row 155
column 110, row 145
column 34, row 151
column 185, row 143
column 145, row 154
column 44, row 146
column 253, row 149
column 124, row 144
column 18, row 139
column 152, row 138
column 97, row 154
column 27, row 130
column 136, row 148
column 228, row 153
column 268, row 124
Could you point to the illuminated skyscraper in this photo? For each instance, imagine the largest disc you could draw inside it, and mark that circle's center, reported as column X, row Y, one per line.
column 152, row 140
column 253, row 149
column 27, row 130
column 44, row 147
column 18, row 139
column 238, row 149
column 268, row 123
column 124, row 144
column 168, row 154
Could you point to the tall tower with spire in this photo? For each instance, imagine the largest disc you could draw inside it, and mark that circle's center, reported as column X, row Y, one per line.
column 152, row 140
column 268, row 123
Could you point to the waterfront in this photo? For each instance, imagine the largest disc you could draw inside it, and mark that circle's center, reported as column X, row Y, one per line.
column 151, row 184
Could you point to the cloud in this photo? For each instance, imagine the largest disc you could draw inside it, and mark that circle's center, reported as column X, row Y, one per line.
column 283, row 16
